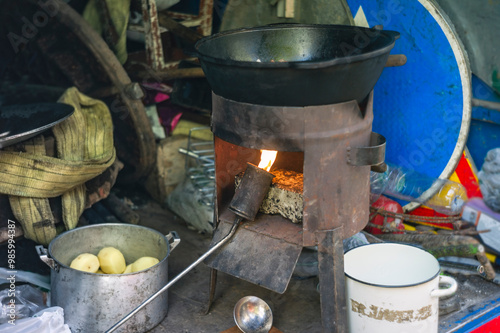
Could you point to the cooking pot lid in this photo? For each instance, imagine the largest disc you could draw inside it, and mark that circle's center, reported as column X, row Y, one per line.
column 424, row 107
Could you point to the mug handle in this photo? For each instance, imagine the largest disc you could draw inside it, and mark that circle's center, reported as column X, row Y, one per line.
column 448, row 291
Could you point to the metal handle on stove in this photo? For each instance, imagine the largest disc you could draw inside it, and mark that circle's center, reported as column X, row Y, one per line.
column 373, row 155
column 173, row 239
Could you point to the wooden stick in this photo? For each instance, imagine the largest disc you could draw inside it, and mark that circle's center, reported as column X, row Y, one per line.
column 486, row 104
column 121, row 210
column 178, row 29
column 4, row 233
column 172, row 74
column 396, row 60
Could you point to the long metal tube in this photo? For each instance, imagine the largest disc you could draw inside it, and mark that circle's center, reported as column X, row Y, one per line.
column 178, row 277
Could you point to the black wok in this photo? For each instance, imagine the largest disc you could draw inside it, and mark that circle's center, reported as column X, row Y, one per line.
column 295, row 64
column 21, row 122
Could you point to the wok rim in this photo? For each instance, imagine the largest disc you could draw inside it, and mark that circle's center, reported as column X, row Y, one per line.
column 390, row 34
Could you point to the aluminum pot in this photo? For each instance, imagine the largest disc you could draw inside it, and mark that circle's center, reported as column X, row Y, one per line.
column 95, row 302
column 393, row 288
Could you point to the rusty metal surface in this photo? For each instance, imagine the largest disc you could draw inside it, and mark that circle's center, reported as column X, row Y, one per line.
column 252, row 190
column 332, row 281
column 257, row 258
column 152, row 30
column 206, row 16
column 273, row 226
column 152, row 34
column 372, row 155
column 230, row 160
column 336, row 193
column 258, row 126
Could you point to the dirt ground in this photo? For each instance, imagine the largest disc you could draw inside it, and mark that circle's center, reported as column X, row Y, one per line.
column 295, row 311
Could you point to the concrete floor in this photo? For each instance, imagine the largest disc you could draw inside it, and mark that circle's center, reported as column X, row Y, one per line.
column 295, row 311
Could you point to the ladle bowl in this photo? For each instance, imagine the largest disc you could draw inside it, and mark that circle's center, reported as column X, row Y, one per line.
column 253, row 315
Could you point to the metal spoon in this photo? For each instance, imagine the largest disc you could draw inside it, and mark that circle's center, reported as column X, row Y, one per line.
column 253, row 315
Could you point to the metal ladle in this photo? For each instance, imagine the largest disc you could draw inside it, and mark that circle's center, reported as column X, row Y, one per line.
column 253, row 315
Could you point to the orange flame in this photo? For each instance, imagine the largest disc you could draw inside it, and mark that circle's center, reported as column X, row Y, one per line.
column 267, row 159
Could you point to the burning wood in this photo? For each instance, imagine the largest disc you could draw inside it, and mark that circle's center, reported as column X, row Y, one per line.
column 267, row 158
column 285, row 195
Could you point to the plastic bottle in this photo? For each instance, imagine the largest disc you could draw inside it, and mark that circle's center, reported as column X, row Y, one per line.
column 442, row 195
column 489, row 179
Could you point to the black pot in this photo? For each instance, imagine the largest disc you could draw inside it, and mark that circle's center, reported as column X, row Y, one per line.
column 295, row 64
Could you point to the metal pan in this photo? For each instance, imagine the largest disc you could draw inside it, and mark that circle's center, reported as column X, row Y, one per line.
column 295, row 64
column 21, row 122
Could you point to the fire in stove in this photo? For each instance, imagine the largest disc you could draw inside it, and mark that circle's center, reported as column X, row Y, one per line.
column 267, row 159
column 285, row 195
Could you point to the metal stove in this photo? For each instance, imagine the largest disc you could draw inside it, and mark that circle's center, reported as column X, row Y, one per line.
column 334, row 147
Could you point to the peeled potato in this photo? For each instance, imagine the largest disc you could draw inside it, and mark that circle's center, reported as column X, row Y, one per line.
column 86, row 262
column 100, row 272
column 111, row 260
column 128, row 269
column 143, row 263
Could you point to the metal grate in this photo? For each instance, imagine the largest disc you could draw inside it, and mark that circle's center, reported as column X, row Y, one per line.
column 200, row 166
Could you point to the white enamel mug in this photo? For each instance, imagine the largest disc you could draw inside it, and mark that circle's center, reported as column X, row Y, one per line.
column 393, row 288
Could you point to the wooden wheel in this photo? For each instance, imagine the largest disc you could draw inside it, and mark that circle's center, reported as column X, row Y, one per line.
column 50, row 47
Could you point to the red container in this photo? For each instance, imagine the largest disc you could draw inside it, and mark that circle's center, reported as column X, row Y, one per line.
column 390, row 206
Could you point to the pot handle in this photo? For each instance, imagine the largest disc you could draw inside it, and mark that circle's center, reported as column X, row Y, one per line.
column 44, row 256
column 394, row 34
column 448, row 291
column 373, row 155
column 173, row 239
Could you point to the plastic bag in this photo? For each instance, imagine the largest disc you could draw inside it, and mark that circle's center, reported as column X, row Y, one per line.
column 35, row 279
column 489, row 179
column 355, row 241
column 307, row 265
column 50, row 320
column 27, row 301
column 447, row 197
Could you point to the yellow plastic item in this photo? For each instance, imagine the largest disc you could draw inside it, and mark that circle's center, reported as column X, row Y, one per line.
column 183, row 127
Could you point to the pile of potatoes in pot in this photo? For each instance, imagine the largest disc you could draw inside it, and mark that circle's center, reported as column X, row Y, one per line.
column 110, row 260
